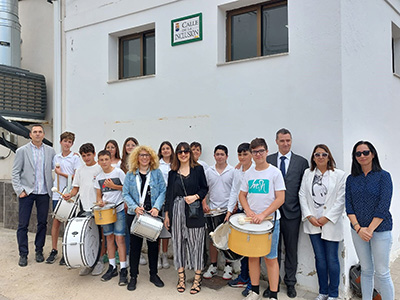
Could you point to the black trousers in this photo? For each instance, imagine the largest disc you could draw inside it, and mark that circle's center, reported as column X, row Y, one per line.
column 136, row 243
column 24, row 214
column 290, row 237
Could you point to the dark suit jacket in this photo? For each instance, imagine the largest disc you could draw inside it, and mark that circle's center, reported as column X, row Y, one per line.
column 298, row 164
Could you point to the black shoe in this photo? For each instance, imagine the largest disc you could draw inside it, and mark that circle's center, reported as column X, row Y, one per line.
column 267, row 292
column 23, row 260
column 156, row 280
column 291, row 291
column 123, row 277
column 111, row 272
column 39, row 257
column 132, row 284
column 62, row 261
column 52, row 257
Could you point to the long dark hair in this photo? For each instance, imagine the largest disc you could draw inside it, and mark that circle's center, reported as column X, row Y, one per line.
column 176, row 164
column 356, row 167
column 331, row 162
column 172, row 158
column 114, row 142
column 124, row 160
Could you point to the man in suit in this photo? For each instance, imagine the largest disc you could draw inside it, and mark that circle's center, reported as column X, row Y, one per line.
column 32, row 182
column 292, row 167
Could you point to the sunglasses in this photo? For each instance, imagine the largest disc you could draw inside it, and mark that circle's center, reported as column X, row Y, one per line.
column 183, row 151
column 365, row 153
column 317, row 154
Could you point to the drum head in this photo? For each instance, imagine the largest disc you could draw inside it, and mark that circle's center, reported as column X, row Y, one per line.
column 262, row 228
column 107, row 206
column 220, row 236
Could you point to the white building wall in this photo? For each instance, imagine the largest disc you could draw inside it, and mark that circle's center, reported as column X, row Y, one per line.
column 195, row 95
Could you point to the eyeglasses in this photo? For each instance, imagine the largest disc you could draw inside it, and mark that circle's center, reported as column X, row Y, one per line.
column 260, row 152
column 144, row 155
column 365, row 153
column 318, row 154
column 183, row 151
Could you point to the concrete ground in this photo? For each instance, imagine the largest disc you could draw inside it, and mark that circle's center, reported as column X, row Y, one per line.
column 45, row 281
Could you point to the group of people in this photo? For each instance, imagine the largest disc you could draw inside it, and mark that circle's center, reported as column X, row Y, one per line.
column 190, row 194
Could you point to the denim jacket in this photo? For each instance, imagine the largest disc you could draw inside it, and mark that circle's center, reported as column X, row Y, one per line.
column 131, row 194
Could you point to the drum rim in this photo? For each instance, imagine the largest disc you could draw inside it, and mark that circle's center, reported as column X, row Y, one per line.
column 234, row 226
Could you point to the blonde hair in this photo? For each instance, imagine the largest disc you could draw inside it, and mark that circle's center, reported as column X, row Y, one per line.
column 134, row 158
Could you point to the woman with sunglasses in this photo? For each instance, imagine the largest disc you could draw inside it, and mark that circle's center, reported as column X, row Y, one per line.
column 143, row 191
column 322, row 203
column 368, row 196
column 187, row 187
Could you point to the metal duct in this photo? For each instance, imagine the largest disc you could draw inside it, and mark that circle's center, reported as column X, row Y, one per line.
column 10, row 34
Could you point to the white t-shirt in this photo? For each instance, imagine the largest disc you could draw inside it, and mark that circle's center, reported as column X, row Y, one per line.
column 68, row 165
column 261, row 187
column 219, row 186
column 203, row 164
column 110, row 195
column 165, row 168
column 84, row 179
column 238, row 175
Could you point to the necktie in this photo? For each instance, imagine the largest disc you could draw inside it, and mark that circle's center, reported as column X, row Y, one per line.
column 283, row 166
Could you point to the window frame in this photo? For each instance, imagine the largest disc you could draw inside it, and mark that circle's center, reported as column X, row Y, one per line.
column 258, row 8
column 121, row 40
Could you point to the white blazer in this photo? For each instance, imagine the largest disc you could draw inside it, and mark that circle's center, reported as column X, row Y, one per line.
column 333, row 208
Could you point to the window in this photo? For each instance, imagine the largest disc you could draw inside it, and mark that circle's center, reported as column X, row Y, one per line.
column 396, row 49
column 137, row 55
column 257, row 30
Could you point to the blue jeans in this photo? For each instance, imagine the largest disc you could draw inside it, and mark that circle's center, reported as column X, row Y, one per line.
column 327, row 264
column 374, row 258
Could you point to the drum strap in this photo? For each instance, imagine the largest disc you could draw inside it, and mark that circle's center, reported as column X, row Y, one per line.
column 146, row 185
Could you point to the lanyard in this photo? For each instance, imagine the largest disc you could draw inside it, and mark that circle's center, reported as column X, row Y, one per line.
column 146, row 185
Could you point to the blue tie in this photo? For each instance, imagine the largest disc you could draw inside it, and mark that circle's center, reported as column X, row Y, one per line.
column 283, row 167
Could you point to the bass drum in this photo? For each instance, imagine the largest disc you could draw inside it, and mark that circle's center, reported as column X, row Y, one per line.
column 81, row 243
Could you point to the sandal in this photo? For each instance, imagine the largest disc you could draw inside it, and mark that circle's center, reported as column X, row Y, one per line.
column 196, row 287
column 181, row 286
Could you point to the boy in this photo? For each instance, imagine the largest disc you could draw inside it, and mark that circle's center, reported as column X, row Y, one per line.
column 219, row 180
column 245, row 162
column 83, row 184
column 196, row 150
column 261, row 194
column 108, row 185
column 66, row 163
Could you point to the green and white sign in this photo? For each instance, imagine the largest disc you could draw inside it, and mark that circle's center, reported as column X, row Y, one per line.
column 186, row 30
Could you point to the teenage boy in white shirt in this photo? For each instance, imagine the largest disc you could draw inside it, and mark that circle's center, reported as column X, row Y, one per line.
column 83, row 184
column 261, row 194
column 66, row 163
column 108, row 185
column 219, row 180
column 196, row 150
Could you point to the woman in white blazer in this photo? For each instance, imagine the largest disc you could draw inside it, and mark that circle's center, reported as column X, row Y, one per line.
column 322, row 203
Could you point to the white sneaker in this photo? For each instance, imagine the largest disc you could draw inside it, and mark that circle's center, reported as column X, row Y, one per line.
column 252, row 296
column 142, row 260
column 165, row 263
column 85, row 271
column 159, row 264
column 99, row 268
column 227, row 273
column 322, row 297
column 210, row 272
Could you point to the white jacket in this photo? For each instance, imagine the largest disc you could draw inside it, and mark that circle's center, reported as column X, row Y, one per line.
column 333, row 208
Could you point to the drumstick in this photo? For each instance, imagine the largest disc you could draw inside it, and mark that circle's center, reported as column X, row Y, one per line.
column 55, row 190
column 243, row 220
column 58, row 178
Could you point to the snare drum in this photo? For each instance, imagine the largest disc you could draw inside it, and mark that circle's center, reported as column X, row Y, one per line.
column 81, row 243
column 147, row 226
column 220, row 240
column 105, row 215
column 215, row 218
column 251, row 240
column 66, row 210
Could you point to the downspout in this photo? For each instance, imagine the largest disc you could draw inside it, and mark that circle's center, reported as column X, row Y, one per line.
column 57, row 92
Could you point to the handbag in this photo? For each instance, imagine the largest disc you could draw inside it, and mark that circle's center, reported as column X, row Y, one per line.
column 194, row 208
